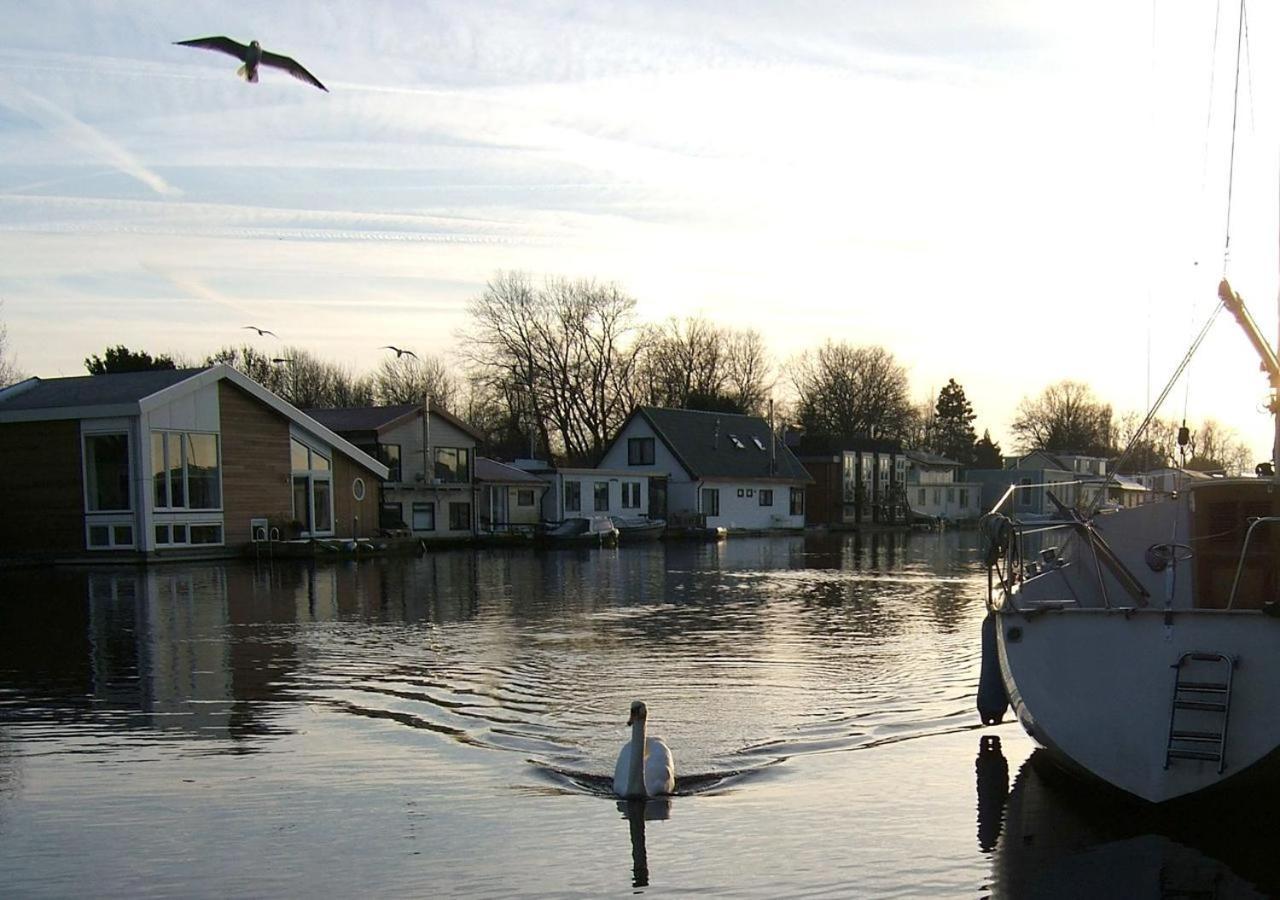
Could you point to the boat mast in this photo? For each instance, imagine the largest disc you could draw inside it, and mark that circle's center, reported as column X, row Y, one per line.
column 1270, row 363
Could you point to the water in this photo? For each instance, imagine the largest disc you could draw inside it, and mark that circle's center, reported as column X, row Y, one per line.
column 447, row 726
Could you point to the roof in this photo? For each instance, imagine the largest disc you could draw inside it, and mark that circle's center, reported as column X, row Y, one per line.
column 90, row 390
column 137, row 393
column 379, row 418
column 495, row 472
column 924, row 457
column 704, row 443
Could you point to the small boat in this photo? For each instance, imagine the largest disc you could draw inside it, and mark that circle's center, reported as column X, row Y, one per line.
column 635, row 529
column 590, row 531
column 1141, row 646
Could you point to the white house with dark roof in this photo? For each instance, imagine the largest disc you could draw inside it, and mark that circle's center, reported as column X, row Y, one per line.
column 713, row 468
column 430, row 487
column 574, row 493
column 171, row 463
column 933, row 491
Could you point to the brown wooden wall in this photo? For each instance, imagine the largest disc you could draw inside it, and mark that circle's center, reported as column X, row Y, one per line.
column 824, row 499
column 256, row 475
column 41, row 488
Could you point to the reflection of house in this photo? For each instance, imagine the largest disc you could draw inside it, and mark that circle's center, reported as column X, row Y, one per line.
column 712, row 468
column 573, row 493
column 510, row 498
column 858, row 483
column 427, row 493
column 184, row 462
column 932, row 489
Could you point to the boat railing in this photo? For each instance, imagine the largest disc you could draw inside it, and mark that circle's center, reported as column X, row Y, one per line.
column 1254, row 522
column 1024, row 561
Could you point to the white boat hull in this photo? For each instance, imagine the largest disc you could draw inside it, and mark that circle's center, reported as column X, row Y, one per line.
column 1095, row 688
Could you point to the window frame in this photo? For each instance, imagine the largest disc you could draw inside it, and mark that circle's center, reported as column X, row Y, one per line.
column 641, row 451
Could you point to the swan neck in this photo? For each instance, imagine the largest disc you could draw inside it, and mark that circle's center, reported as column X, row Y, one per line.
column 635, row 775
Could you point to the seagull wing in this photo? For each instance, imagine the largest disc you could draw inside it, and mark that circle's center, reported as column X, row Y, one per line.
column 221, row 44
column 293, row 67
column 410, row 353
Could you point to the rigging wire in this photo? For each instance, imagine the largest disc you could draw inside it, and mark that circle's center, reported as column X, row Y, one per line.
column 1235, row 114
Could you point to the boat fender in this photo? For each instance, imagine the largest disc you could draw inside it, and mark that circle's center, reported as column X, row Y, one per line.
column 993, row 700
column 997, row 533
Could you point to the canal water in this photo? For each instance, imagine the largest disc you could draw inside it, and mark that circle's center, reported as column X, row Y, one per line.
column 447, row 726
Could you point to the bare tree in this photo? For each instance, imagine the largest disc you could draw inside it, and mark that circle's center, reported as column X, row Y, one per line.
column 1066, row 417
column 559, row 351
column 9, row 371
column 693, row 363
column 409, row 379
column 1216, row 447
column 846, row 392
column 300, row 377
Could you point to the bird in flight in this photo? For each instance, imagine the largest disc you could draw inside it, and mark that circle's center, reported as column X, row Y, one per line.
column 399, row 352
column 252, row 56
column 261, row 331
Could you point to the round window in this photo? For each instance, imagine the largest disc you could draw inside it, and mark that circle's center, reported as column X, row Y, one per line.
column 357, row 489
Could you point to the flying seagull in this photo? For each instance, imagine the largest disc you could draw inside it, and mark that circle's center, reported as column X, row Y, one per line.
column 252, row 56
column 399, row 352
column 261, row 331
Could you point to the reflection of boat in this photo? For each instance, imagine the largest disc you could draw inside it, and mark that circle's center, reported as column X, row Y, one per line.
column 590, row 531
column 635, row 530
column 1060, row 841
column 1140, row 645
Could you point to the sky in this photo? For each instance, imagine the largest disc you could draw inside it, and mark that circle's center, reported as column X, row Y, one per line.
column 1007, row 194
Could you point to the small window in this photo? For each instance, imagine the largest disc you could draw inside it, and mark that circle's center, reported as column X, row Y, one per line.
column 640, row 451
column 424, row 517
column 391, row 515
column 711, row 501
column 459, row 516
column 179, row 534
column 99, row 536
column 162, row 534
column 766, row 496
column 742, row 492
column 122, row 535
column 602, row 496
column 922, row 501
column 524, row 498
column 206, row 534
column 797, row 501
column 572, row 496
column 630, row 495
column 951, row 495
column 964, row 497
column 357, row 488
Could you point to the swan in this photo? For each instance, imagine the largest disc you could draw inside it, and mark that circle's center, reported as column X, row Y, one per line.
column 645, row 766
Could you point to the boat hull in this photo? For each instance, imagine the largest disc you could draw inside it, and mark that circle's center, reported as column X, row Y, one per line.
column 1095, row 688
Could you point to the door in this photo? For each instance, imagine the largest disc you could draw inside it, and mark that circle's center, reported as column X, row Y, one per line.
column 657, row 498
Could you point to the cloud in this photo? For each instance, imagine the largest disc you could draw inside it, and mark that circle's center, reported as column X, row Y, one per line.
column 85, row 136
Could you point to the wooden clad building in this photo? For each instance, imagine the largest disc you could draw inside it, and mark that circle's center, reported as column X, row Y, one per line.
column 171, row 464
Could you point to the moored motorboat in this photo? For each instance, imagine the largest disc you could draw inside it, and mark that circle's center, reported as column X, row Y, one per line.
column 634, row 530
column 590, row 531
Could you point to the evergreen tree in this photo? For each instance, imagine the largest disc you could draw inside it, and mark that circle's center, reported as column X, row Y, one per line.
column 121, row 359
column 986, row 454
column 953, row 435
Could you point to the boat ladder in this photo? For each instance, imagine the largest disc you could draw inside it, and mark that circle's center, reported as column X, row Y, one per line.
column 1201, row 706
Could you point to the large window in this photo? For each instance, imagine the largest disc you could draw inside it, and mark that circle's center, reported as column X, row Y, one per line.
column 453, row 464
column 459, row 516
column 602, row 496
column 573, row 496
column 711, row 501
column 312, row 489
column 185, row 470
column 766, row 496
column 640, row 451
column 106, row 471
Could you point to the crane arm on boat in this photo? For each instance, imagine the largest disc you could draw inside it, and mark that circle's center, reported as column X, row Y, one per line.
column 1235, row 303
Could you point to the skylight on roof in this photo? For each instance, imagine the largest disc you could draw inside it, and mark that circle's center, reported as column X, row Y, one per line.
column 759, row 443
column 737, row 443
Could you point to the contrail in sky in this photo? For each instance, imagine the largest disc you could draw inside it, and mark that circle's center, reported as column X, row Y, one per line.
column 84, row 136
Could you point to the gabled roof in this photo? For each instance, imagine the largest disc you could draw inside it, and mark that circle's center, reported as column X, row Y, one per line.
column 722, row 445
column 380, row 418
column 136, row 393
column 495, row 472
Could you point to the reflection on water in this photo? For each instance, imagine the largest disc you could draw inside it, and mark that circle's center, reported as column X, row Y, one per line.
column 436, row 699
column 1058, row 837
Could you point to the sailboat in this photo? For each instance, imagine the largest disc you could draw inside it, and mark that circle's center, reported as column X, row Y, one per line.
column 1141, row 646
